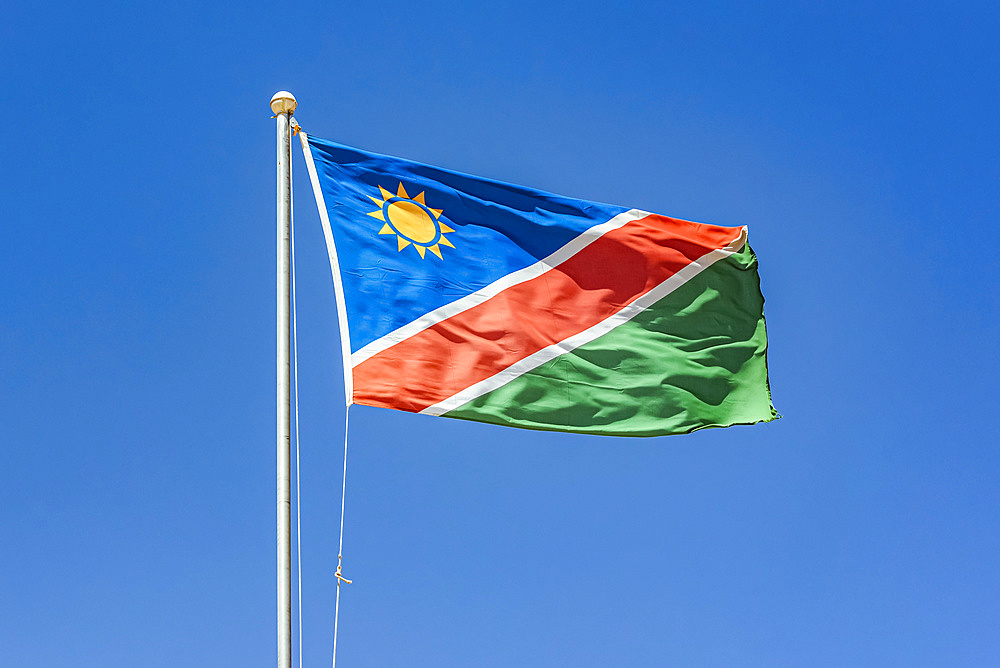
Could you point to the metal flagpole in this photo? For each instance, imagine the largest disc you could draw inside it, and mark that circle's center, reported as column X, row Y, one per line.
column 283, row 105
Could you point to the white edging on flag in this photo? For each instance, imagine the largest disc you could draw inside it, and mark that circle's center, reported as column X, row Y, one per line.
column 476, row 298
column 338, row 287
column 549, row 353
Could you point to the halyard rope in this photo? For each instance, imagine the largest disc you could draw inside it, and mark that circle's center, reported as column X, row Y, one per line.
column 298, row 475
column 343, row 492
column 340, row 550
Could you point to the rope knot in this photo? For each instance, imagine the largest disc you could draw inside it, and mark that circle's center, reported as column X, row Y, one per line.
column 340, row 577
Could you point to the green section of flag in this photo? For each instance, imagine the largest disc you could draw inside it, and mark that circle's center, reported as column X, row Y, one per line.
column 695, row 359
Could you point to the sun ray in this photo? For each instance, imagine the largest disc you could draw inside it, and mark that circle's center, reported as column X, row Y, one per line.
column 444, row 242
column 377, row 214
column 437, row 212
column 434, row 249
column 386, row 229
column 420, row 249
column 403, row 243
column 444, row 228
column 385, row 193
column 402, row 191
column 419, row 198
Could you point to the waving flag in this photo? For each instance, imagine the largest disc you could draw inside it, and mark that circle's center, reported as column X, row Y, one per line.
column 470, row 298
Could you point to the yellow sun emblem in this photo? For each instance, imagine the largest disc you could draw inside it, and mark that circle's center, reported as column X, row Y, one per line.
column 412, row 221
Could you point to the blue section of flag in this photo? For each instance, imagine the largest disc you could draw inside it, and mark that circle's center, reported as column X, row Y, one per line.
column 498, row 228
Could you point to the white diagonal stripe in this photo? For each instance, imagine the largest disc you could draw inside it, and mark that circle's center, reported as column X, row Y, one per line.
column 476, row 298
column 549, row 353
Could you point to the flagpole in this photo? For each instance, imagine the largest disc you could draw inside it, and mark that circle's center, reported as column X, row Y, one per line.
column 283, row 105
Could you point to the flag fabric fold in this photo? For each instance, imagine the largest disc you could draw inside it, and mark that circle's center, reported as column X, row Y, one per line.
column 471, row 298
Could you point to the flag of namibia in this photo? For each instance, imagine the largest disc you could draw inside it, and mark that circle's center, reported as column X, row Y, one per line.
column 475, row 299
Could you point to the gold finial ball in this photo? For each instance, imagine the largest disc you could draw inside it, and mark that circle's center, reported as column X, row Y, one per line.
column 283, row 102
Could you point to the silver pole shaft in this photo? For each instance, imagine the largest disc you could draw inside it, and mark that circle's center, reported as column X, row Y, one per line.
column 283, row 112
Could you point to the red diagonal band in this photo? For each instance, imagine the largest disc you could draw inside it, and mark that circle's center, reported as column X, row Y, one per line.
column 474, row 345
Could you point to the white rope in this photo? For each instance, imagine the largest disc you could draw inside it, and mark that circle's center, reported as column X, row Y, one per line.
column 340, row 551
column 298, row 476
column 347, row 413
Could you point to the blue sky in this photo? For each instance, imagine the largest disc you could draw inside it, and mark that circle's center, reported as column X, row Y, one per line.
column 858, row 142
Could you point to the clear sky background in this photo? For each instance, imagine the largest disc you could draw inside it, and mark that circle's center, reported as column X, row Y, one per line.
column 858, row 141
